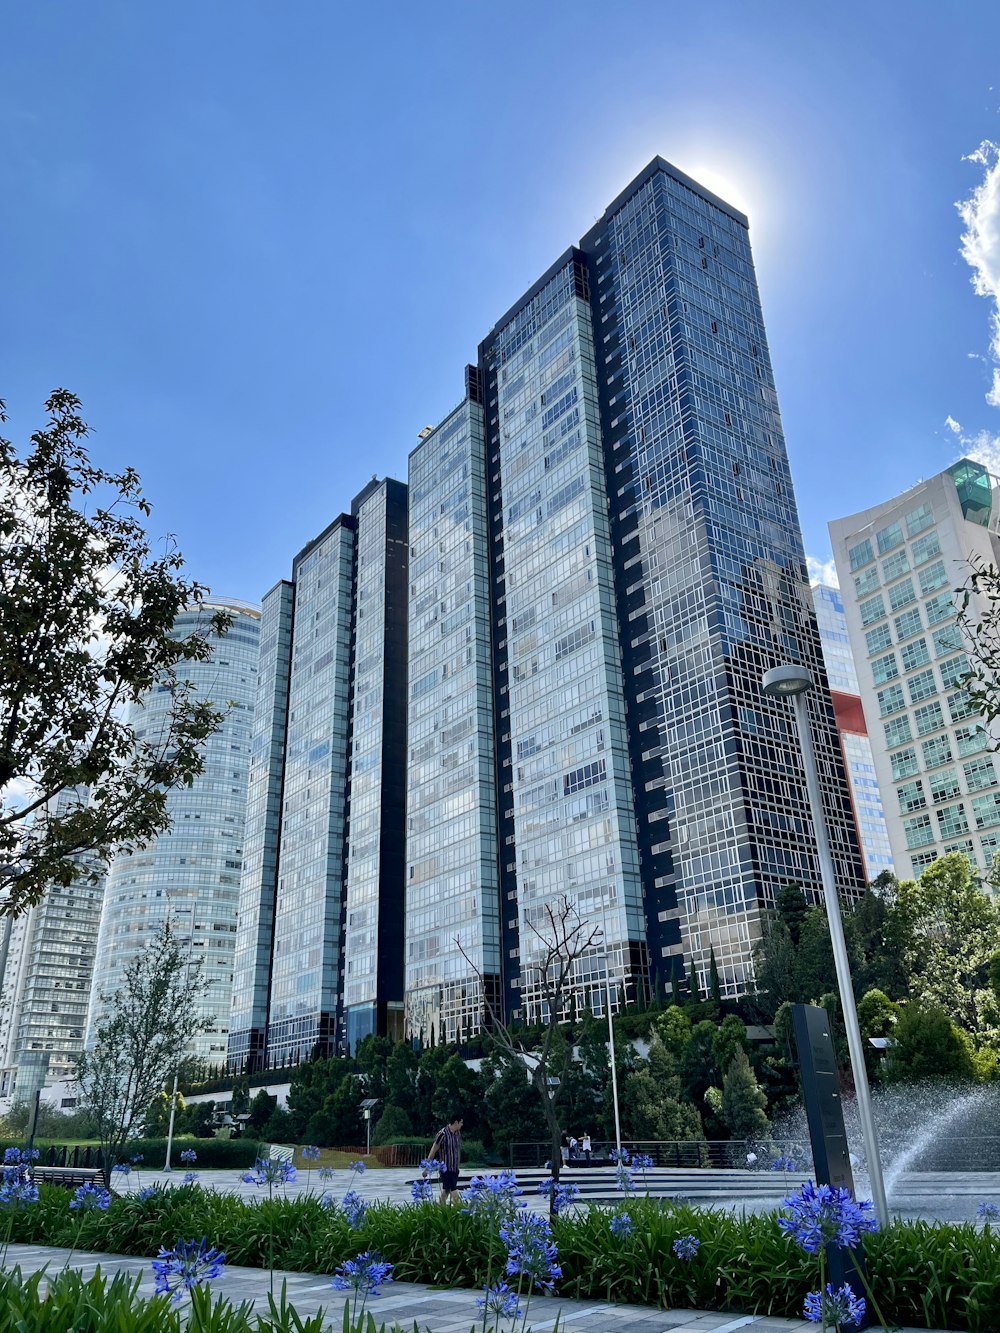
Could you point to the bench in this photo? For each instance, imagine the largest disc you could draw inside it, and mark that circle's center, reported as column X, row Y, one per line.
column 69, row 1177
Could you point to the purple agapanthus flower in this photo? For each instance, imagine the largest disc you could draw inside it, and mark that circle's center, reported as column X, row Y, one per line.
column 836, row 1309
column 354, row 1207
column 366, row 1275
column 499, row 1301
column 562, row 1195
column 270, row 1171
column 90, row 1197
column 989, row 1212
column 621, row 1226
column 686, row 1247
column 189, row 1156
column 189, row 1177
column 826, row 1215
column 186, row 1266
column 310, row 1153
column 421, row 1191
column 531, row 1251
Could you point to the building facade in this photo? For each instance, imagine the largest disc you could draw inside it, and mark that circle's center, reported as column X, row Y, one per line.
column 602, row 559
column 46, row 966
column 319, row 958
column 641, row 562
column 855, row 744
column 900, row 564
column 190, row 875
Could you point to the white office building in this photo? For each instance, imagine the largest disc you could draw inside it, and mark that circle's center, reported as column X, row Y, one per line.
column 900, row 565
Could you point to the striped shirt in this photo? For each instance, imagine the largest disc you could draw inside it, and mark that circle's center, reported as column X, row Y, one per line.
column 449, row 1147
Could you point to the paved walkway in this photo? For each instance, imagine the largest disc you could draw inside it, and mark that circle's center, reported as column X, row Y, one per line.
column 435, row 1311
column 930, row 1196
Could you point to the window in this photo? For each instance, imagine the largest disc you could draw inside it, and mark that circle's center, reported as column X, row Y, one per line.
column 928, row 718
column 960, row 706
column 911, row 797
column 918, row 520
column 866, row 582
column 877, row 639
column 947, row 640
column 915, row 654
column 954, row 671
column 932, row 578
column 936, row 752
column 922, row 686
column 904, row 763
column 897, row 732
column 980, row 773
column 990, row 845
column 970, row 740
column 986, row 810
column 918, row 831
column 939, row 608
column 952, row 822
column 944, row 786
column 861, row 554
column 922, row 860
column 901, row 595
column 896, row 564
column 885, row 668
column 908, row 624
column 889, row 538
column 872, row 610
column 891, row 700
column 926, row 548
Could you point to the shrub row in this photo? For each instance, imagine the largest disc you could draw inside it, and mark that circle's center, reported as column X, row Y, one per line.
column 938, row 1276
column 235, row 1153
column 409, row 1150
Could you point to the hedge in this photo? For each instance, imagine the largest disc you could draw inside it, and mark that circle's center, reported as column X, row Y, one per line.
column 225, row 1153
column 938, row 1276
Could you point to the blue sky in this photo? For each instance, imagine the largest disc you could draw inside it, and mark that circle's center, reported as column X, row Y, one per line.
column 261, row 241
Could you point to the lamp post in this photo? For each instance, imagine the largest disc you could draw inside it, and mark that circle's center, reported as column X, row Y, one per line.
column 611, row 1028
column 792, row 682
column 173, row 1094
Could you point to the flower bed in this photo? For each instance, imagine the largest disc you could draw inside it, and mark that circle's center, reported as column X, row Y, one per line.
column 940, row 1276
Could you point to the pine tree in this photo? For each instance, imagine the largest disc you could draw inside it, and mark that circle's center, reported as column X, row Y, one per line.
column 676, row 981
column 714, row 985
column 743, row 1101
column 694, row 989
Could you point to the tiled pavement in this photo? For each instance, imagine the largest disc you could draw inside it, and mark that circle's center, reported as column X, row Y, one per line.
column 434, row 1310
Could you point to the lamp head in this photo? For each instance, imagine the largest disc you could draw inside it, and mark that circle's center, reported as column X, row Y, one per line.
column 784, row 681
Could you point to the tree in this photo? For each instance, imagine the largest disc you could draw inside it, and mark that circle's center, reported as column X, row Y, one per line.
column 392, row 1124
column 744, row 1103
column 928, row 1045
column 512, row 1105
column 140, row 1039
column 714, row 983
column 549, row 964
column 775, row 966
column 262, row 1108
column 372, row 1058
column 791, row 905
column 951, row 933
column 730, row 1037
column 86, row 613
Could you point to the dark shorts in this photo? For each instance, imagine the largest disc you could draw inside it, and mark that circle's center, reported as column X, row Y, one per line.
column 449, row 1181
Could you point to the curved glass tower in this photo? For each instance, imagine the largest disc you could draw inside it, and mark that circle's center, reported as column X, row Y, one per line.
column 191, row 874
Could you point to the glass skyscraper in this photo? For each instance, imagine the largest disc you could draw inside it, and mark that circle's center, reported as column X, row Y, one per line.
column 190, row 875
column 604, row 558
column 642, row 564
column 46, row 965
column 319, row 950
column 899, row 565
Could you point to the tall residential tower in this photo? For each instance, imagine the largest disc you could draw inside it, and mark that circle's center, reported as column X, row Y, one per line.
column 319, row 950
column 900, row 564
column 190, row 875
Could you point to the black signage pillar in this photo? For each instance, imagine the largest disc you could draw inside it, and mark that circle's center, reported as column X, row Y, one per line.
column 825, row 1117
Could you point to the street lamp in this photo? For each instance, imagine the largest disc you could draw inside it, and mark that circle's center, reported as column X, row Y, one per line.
column 793, row 682
column 611, row 1028
column 173, row 1094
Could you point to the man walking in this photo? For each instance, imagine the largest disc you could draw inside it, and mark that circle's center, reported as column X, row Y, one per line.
column 447, row 1148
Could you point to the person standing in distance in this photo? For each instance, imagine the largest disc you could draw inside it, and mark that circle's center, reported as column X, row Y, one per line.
column 447, row 1148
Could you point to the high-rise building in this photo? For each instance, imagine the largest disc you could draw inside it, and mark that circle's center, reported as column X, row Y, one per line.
column 848, row 713
column 46, row 964
column 190, row 875
column 614, row 494
column 319, row 952
column 604, row 559
column 899, row 564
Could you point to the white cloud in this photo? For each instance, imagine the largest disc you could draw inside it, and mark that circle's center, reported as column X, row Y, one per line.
column 822, row 571
column 980, row 246
column 953, row 425
column 984, row 448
